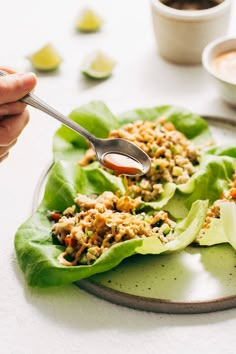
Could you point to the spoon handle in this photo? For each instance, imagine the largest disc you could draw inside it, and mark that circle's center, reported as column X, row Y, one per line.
column 36, row 102
column 39, row 104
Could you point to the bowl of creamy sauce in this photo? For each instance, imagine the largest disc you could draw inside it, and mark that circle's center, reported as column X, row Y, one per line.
column 219, row 60
column 224, row 66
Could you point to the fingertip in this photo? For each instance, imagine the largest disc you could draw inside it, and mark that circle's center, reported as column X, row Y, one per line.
column 15, row 86
column 29, row 80
column 33, row 76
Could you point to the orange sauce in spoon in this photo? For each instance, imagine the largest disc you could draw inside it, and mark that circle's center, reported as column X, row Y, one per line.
column 122, row 164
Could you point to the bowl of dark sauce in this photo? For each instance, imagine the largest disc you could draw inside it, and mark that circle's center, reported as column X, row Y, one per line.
column 192, row 5
column 183, row 28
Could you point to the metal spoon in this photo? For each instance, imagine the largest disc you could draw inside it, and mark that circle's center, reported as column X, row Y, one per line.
column 117, row 154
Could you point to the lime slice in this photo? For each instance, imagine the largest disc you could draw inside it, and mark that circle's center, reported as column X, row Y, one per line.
column 46, row 59
column 88, row 21
column 98, row 65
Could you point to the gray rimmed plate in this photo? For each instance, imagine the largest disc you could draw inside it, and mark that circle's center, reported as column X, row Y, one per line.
column 196, row 280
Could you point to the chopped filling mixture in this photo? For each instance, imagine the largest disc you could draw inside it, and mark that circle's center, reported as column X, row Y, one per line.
column 214, row 210
column 102, row 222
column 173, row 156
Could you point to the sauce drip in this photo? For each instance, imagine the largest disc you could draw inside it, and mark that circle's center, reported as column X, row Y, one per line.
column 122, row 164
column 224, row 65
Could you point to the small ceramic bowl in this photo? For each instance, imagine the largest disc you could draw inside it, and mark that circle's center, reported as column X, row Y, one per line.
column 181, row 35
column 219, row 59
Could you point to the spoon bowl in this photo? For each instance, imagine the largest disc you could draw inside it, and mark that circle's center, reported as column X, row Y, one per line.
column 119, row 155
column 122, row 156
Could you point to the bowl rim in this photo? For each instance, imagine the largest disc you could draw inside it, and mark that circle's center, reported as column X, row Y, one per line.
column 205, row 14
column 207, row 51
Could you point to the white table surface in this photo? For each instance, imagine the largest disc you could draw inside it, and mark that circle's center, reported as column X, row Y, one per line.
column 68, row 320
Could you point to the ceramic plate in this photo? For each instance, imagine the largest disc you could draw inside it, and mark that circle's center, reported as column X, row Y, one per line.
column 196, row 280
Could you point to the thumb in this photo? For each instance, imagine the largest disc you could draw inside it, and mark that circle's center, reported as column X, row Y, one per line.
column 15, row 86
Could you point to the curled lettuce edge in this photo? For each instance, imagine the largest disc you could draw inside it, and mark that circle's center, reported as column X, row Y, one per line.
column 214, row 235
column 185, row 233
column 208, row 182
column 221, row 230
column 37, row 255
column 228, row 216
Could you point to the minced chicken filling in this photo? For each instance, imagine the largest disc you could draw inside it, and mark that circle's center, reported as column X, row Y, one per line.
column 103, row 222
column 173, row 157
column 214, row 210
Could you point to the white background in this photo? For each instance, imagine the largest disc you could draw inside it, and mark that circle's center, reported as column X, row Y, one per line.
column 68, row 320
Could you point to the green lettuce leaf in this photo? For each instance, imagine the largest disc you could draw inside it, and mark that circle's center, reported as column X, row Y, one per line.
column 221, row 230
column 36, row 253
column 228, row 217
column 66, row 179
column 214, row 235
column 96, row 118
column 225, row 150
column 185, row 232
column 210, row 180
column 168, row 193
column 194, row 127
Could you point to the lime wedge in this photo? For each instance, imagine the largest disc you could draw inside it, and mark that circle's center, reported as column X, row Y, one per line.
column 98, row 65
column 88, row 21
column 45, row 59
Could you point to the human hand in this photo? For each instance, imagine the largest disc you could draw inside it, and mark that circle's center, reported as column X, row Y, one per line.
column 13, row 114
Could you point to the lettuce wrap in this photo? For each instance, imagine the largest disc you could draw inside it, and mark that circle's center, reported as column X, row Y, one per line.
column 38, row 255
column 186, row 203
column 99, row 120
